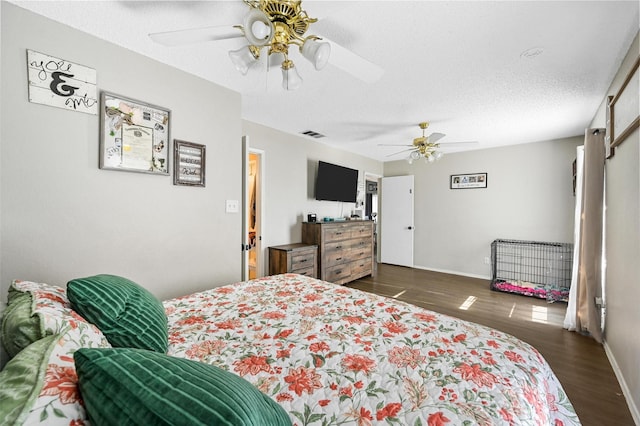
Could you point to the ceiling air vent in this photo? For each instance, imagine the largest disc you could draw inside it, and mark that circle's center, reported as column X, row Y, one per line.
column 313, row 134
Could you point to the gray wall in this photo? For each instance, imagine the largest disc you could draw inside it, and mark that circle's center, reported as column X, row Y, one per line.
column 289, row 179
column 622, row 290
column 62, row 217
column 529, row 196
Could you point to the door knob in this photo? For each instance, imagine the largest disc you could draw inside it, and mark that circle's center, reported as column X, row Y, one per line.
column 409, row 227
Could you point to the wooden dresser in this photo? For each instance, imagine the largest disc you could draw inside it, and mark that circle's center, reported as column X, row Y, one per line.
column 298, row 258
column 345, row 249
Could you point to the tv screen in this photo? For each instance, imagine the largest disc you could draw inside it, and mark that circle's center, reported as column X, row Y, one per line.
column 336, row 183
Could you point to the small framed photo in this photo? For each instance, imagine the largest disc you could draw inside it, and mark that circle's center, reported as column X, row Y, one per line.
column 467, row 181
column 134, row 135
column 189, row 160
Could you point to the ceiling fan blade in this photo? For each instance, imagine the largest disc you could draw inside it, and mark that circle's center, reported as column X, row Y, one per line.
column 400, row 152
column 434, row 137
column 196, row 35
column 458, row 143
column 353, row 64
column 394, row 144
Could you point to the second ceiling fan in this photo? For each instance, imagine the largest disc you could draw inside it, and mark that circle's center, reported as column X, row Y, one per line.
column 426, row 147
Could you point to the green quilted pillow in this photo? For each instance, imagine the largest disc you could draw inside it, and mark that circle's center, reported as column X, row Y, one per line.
column 20, row 325
column 127, row 314
column 138, row 387
column 22, row 379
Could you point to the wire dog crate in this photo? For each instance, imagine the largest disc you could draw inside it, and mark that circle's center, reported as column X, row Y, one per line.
column 531, row 268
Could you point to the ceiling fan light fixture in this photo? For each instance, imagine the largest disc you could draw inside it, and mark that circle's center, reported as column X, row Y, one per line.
column 244, row 58
column 258, row 28
column 291, row 80
column 316, row 52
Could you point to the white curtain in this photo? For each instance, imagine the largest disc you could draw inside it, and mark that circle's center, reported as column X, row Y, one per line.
column 587, row 282
column 570, row 317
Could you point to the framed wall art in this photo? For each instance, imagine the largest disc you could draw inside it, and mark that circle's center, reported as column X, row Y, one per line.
column 467, row 181
column 622, row 110
column 134, row 135
column 189, row 161
column 62, row 84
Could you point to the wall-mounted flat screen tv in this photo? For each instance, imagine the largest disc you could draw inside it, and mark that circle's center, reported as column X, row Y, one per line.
column 336, row 183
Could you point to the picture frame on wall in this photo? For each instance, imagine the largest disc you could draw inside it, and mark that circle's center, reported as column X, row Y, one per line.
column 622, row 110
column 61, row 83
column 468, row 181
column 189, row 163
column 134, row 135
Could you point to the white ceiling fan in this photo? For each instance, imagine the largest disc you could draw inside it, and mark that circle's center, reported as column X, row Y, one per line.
column 276, row 25
column 427, row 147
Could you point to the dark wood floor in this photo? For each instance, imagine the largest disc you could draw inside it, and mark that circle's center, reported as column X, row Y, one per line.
column 579, row 362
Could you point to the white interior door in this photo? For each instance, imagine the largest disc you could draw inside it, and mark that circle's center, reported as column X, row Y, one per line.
column 396, row 220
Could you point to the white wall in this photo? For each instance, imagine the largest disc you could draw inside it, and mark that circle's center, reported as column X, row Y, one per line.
column 529, row 196
column 62, row 217
column 289, row 173
column 622, row 292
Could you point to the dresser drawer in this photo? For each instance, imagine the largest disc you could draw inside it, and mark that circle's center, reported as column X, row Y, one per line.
column 336, row 233
column 361, row 244
column 338, row 273
column 361, row 231
column 359, row 253
column 361, row 267
column 309, row 272
column 303, row 260
column 337, row 257
column 337, row 246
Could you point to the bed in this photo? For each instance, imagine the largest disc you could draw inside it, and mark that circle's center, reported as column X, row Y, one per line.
column 322, row 354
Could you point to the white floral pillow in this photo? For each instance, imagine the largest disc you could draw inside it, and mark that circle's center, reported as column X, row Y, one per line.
column 50, row 303
column 59, row 402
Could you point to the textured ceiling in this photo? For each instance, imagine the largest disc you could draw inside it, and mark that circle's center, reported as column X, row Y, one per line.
column 461, row 65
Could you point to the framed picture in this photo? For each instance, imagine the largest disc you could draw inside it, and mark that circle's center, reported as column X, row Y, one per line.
column 134, row 136
column 466, row 181
column 62, row 84
column 189, row 161
column 622, row 110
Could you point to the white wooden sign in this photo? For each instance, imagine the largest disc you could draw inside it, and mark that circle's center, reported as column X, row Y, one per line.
column 62, row 84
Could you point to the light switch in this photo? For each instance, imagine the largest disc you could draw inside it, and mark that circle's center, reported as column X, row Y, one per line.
column 232, row 206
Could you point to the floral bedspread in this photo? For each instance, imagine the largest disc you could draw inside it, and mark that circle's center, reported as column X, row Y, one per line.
column 331, row 355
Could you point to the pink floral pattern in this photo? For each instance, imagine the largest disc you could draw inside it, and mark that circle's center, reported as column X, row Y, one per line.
column 334, row 355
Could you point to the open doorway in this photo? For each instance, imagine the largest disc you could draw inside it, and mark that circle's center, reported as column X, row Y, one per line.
column 372, row 207
column 253, row 215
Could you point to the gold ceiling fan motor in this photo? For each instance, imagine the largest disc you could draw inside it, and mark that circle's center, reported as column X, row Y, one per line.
column 278, row 24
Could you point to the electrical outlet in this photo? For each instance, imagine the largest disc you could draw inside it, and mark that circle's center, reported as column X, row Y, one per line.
column 487, row 261
column 232, row 206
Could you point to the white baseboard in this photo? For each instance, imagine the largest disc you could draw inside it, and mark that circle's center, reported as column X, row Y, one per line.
column 623, row 384
column 445, row 271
